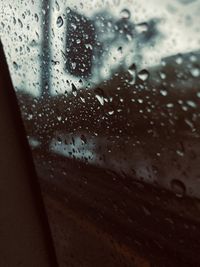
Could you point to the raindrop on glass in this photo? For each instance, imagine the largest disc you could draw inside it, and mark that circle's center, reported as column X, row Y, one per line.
column 198, row 94
column 73, row 65
column 179, row 60
column 195, row 72
column 163, row 92
column 143, row 75
column 132, row 71
column 193, row 58
column 36, row 17
column 162, row 75
column 178, row 187
column 111, row 112
column 180, row 153
column 57, row 6
column 125, row 14
column 16, row 66
column 83, row 139
column 20, row 23
column 191, row 104
column 74, row 90
column 99, row 94
column 59, row 22
column 59, row 118
column 142, row 27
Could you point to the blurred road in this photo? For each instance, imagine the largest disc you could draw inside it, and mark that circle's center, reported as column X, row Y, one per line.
column 99, row 218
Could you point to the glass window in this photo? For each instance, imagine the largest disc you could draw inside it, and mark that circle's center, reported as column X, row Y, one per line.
column 109, row 94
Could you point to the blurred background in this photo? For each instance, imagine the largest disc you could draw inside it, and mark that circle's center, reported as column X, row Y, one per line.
column 109, row 94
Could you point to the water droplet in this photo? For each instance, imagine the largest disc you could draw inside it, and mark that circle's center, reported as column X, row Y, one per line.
column 162, row 75
column 59, row 22
column 191, row 103
column 132, row 71
column 163, row 62
column 73, row 26
column 178, row 187
column 180, row 153
column 73, row 65
column 57, row 6
column 16, row 66
column 198, row 94
column 125, row 14
column 74, row 90
column 143, row 75
column 170, row 105
column 88, row 46
column 20, row 23
column 190, row 124
column 99, row 94
column 195, row 72
column 30, row 117
column 33, row 43
column 163, row 92
column 179, row 60
column 82, row 98
column 83, row 139
column 193, row 58
column 120, row 49
column 59, row 118
column 142, row 27
column 111, row 112
column 59, row 140
column 55, row 62
column 129, row 37
column 140, row 101
column 36, row 17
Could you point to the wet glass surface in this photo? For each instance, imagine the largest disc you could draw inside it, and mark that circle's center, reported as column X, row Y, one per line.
column 109, row 94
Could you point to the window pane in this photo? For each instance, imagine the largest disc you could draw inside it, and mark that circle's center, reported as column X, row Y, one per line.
column 109, row 94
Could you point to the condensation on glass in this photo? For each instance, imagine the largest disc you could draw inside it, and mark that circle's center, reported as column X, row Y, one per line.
column 110, row 92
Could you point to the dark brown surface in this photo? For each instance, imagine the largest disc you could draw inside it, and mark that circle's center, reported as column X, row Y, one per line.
column 94, row 217
column 25, row 238
column 81, row 243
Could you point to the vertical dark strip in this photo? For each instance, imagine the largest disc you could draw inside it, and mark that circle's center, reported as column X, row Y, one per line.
column 25, row 237
column 46, row 49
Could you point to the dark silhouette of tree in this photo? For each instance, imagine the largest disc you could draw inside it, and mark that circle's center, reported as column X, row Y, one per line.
column 80, row 39
column 89, row 40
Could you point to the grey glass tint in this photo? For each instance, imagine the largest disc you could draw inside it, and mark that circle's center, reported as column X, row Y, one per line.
column 109, row 94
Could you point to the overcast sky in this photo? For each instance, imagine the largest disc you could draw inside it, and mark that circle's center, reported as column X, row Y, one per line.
column 180, row 26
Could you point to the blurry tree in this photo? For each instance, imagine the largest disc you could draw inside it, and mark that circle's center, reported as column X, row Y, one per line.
column 90, row 40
